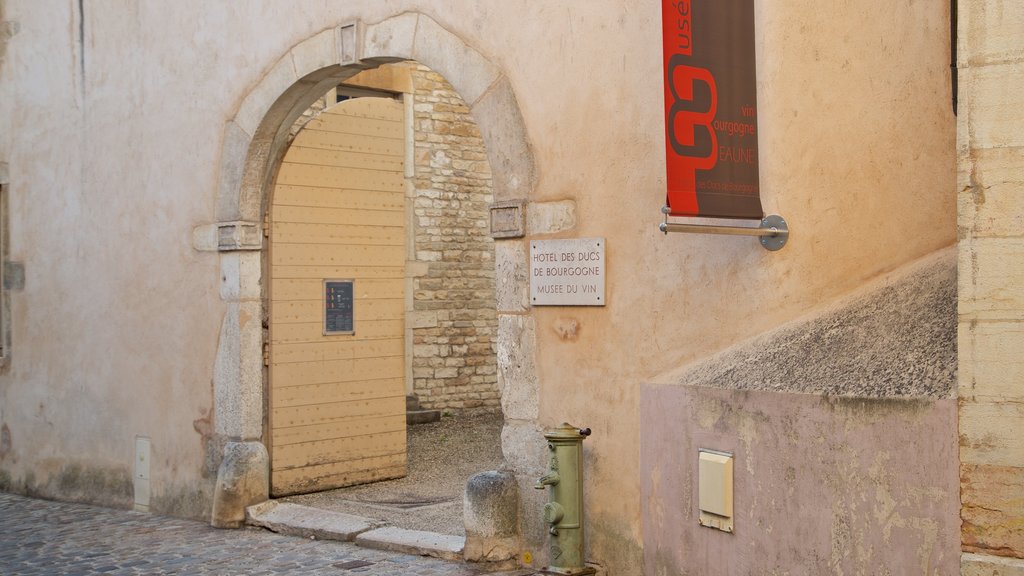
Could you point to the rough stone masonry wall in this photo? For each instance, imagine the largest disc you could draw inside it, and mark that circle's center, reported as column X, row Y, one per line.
column 454, row 320
column 990, row 146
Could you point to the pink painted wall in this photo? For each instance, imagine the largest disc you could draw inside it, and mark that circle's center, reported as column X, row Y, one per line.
column 822, row 485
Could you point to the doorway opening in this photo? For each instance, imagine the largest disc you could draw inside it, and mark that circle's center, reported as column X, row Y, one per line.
column 381, row 303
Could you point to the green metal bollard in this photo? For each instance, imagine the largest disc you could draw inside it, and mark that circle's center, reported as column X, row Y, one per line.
column 564, row 510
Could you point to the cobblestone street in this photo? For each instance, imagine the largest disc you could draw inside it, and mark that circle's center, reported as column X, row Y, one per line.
column 41, row 537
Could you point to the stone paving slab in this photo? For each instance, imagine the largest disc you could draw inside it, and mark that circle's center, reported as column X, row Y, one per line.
column 414, row 542
column 43, row 538
column 298, row 520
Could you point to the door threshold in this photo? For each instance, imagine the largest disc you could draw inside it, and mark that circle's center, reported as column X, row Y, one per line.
column 308, row 522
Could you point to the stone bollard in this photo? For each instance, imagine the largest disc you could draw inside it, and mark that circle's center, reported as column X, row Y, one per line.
column 491, row 505
column 242, row 480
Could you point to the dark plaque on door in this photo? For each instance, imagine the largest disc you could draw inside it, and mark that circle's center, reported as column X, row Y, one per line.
column 338, row 307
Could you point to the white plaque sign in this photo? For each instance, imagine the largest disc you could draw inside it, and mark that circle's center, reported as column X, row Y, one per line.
column 567, row 272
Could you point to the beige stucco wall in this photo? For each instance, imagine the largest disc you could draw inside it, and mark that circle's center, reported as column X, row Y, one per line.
column 116, row 331
column 990, row 161
column 856, row 153
column 108, row 346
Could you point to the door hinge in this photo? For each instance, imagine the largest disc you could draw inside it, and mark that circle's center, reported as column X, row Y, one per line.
column 266, row 354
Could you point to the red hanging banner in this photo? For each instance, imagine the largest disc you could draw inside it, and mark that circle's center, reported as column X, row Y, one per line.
column 710, row 108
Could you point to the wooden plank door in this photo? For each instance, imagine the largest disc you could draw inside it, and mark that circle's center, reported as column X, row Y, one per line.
column 337, row 401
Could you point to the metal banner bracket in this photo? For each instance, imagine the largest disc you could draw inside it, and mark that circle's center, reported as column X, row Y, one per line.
column 773, row 231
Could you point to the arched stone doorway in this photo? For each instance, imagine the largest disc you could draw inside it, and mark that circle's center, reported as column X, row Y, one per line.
column 254, row 143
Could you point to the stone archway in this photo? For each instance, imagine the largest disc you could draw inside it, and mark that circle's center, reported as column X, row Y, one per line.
column 253, row 145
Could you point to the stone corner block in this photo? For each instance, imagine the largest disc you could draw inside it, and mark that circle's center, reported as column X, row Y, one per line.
column 525, row 448
column 993, row 97
column 533, row 529
column 238, row 372
column 512, row 276
column 240, row 276
column 990, row 493
column 550, row 217
column 517, row 367
column 243, row 480
column 985, row 565
column 491, row 515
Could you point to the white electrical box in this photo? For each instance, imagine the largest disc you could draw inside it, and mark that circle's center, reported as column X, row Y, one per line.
column 143, row 449
column 714, row 488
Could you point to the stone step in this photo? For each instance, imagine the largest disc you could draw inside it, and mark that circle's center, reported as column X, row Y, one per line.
column 444, row 546
column 304, row 521
column 412, row 403
column 415, row 414
column 422, row 416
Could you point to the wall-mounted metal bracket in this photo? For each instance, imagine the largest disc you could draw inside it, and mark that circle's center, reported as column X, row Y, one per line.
column 773, row 231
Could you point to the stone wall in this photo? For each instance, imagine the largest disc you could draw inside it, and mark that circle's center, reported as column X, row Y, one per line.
column 454, row 319
column 990, row 146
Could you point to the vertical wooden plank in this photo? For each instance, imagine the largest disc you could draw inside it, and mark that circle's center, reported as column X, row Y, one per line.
column 338, row 213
